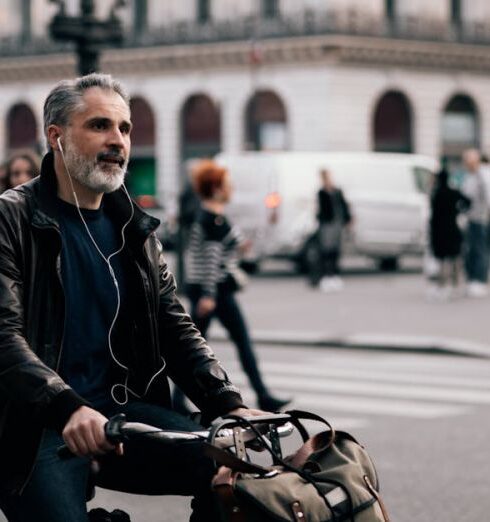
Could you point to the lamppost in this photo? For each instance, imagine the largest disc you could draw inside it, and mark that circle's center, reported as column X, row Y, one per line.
column 89, row 33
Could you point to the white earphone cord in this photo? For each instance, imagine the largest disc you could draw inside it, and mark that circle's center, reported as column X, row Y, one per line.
column 107, row 260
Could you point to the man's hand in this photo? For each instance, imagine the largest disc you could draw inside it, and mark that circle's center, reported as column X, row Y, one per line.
column 84, row 434
column 248, row 412
column 205, row 306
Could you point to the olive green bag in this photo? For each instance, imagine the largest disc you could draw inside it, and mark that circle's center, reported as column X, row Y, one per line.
column 331, row 478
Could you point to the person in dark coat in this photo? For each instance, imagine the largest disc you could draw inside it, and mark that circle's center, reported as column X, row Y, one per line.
column 445, row 235
column 333, row 215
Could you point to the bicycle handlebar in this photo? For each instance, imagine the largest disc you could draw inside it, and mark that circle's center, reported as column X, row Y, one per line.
column 118, row 430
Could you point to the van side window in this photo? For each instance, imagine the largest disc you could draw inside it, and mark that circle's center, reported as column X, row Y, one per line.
column 423, row 179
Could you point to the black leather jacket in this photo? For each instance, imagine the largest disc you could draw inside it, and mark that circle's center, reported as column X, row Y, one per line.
column 32, row 395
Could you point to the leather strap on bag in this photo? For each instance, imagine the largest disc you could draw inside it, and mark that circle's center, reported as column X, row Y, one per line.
column 297, row 415
column 223, row 488
column 225, row 458
column 377, row 496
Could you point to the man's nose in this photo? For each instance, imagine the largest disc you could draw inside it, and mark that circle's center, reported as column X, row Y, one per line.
column 116, row 139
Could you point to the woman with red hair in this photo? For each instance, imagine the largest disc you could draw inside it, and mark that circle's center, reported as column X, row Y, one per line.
column 213, row 275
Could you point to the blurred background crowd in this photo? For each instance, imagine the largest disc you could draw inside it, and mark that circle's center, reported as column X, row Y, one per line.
column 381, row 94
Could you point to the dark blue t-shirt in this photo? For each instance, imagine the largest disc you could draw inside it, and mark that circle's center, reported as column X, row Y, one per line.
column 90, row 300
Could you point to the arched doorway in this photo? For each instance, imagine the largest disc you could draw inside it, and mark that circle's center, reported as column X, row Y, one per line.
column 266, row 122
column 142, row 179
column 201, row 128
column 21, row 128
column 392, row 124
column 459, row 128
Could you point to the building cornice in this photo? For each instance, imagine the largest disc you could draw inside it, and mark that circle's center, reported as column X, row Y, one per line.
column 331, row 49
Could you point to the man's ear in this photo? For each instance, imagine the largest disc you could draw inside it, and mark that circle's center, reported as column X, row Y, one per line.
column 53, row 133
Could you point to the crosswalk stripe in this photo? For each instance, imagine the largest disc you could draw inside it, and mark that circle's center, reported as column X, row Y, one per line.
column 363, row 375
column 381, row 384
column 339, row 421
column 420, row 363
column 377, row 407
column 365, row 405
column 442, row 394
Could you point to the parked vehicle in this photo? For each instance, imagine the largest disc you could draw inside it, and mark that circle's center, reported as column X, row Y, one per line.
column 275, row 202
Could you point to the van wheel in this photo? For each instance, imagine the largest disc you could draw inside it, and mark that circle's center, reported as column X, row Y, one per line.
column 388, row 264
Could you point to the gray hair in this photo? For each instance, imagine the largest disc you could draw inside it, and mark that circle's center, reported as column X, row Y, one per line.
column 66, row 97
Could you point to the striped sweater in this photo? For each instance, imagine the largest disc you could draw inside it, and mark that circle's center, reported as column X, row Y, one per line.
column 212, row 253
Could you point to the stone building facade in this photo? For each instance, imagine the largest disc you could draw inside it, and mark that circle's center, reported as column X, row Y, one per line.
column 211, row 75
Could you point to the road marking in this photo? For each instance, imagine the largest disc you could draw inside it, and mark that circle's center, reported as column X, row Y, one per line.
column 361, row 374
column 360, row 404
column 351, row 387
column 339, row 421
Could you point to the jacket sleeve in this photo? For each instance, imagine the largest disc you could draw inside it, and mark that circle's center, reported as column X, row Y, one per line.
column 346, row 207
column 24, row 378
column 190, row 361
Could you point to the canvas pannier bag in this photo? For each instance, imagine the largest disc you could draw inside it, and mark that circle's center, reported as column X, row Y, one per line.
column 330, row 478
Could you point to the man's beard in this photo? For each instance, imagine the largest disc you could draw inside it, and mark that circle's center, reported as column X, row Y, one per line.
column 99, row 176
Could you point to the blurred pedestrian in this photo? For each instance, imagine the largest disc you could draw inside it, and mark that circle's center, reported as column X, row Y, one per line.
column 485, row 172
column 445, row 235
column 213, row 275
column 476, row 250
column 189, row 206
column 21, row 168
column 333, row 215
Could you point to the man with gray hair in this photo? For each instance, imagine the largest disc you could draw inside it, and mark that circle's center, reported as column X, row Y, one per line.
column 90, row 325
column 476, row 250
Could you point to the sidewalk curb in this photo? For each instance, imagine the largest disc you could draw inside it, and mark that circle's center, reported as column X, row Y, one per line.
column 389, row 343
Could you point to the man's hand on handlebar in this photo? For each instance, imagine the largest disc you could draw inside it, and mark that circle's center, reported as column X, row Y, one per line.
column 248, row 412
column 84, row 434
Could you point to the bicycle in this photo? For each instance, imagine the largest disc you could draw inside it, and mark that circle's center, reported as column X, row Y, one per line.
column 224, row 433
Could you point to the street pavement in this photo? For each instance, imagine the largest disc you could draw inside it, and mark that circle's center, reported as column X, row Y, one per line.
column 375, row 310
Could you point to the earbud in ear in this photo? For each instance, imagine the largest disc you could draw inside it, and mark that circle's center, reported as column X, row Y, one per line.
column 58, row 141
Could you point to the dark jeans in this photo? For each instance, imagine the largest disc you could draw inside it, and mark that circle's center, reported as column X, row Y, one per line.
column 476, row 252
column 229, row 314
column 57, row 489
column 330, row 263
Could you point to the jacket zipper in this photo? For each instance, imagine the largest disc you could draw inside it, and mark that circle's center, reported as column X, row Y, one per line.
column 147, row 287
column 58, row 273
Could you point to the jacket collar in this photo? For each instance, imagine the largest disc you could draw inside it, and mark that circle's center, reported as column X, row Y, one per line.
column 117, row 204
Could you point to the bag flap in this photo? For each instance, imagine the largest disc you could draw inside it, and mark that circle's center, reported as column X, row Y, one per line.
column 347, row 463
column 277, row 494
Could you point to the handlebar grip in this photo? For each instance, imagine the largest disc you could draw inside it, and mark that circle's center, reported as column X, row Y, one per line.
column 112, row 430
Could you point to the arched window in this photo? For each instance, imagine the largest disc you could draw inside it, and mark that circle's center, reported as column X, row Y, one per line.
column 142, row 179
column 460, row 127
column 266, row 122
column 21, row 128
column 201, row 127
column 393, row 124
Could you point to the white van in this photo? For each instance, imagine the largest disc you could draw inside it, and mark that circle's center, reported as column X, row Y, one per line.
column 275, row 201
